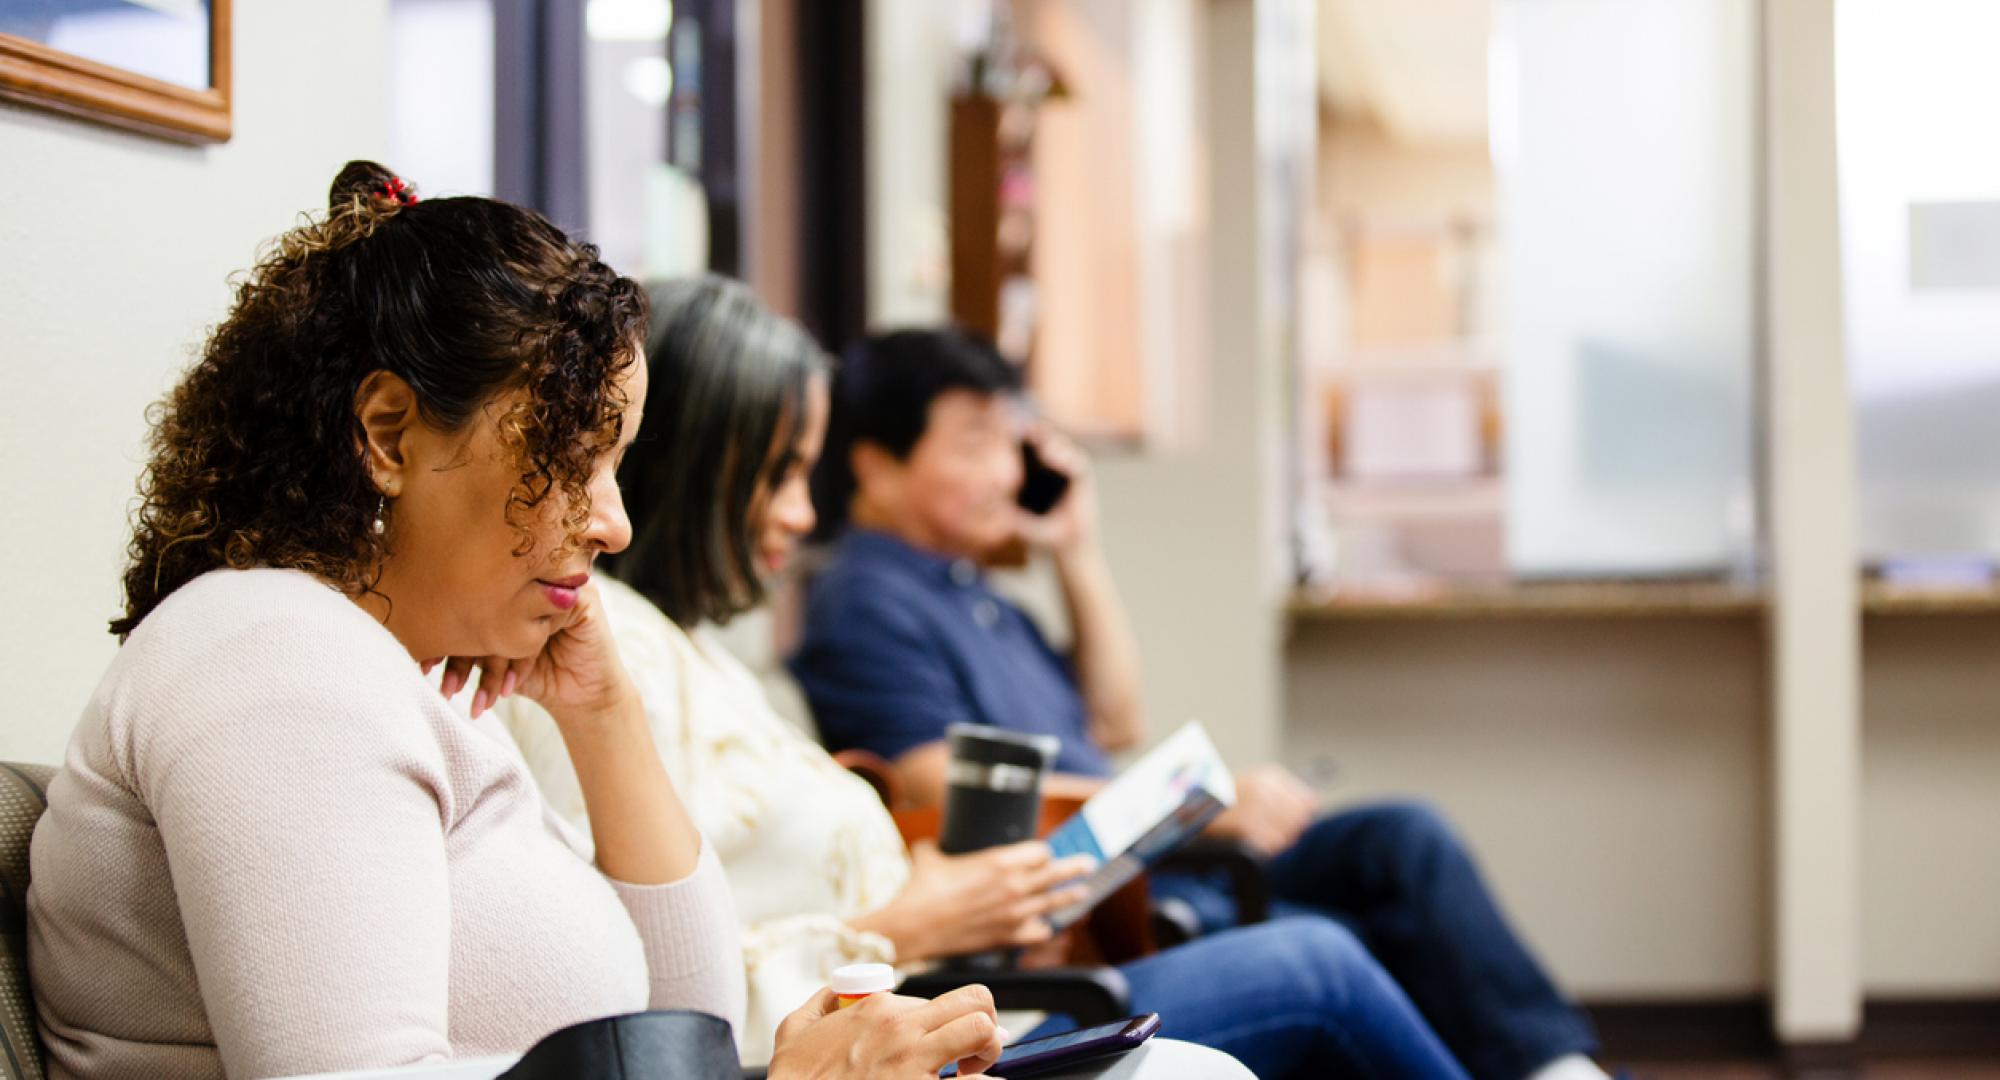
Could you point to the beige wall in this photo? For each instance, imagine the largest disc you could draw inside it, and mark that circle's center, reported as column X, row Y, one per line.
column 114, row 251
column 1930, row 883
column 1613, row 778
column 1609, row 774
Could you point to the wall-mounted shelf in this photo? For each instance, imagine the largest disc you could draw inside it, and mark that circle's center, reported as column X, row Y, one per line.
column 1880, row 599
column 1595, row 599
column 1607, row 600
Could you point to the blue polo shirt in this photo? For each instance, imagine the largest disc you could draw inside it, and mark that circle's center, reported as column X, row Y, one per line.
column 900, row 644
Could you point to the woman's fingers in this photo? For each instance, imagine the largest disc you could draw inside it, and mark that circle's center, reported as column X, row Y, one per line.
column 1069, row 868
column 1030, row 932
column 498, row 677
column 985, row 1059
column 517, row 673
column 1042, row 903
column 1022, row 855
column 816, row 1008
column 952, row 1004
column 1039, row 890
column 495, row 675
column 457, row 672
column 823, row 1003
column 972, row 1036
column 959, row 1025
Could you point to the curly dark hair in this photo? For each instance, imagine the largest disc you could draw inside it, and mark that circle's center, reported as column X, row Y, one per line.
column 257, row 455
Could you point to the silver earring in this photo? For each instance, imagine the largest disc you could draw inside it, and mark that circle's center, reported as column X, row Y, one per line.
column 381, row 511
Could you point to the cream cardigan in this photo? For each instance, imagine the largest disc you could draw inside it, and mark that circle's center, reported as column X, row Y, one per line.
column 806, row 844
column 273, row 849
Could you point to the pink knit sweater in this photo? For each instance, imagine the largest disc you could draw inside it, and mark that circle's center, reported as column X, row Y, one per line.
column 273, row 849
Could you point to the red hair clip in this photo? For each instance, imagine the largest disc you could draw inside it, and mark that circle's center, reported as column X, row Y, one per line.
column 395, row 189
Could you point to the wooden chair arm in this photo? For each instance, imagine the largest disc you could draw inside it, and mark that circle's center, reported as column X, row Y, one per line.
column 1118, row 930
column 925, row 822
column 875, row 769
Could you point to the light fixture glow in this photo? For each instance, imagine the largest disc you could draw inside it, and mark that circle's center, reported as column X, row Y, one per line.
column 650, row 79
column 629, row 20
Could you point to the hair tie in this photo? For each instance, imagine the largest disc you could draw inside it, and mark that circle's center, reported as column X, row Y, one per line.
column 395, row 189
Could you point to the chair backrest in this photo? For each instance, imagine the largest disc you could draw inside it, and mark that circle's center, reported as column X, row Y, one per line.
column 23, row 797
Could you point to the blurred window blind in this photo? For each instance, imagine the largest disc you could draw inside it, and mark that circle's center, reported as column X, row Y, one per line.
column 1920, row 234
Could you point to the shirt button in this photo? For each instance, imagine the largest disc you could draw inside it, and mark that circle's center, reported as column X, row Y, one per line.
column 986, row 613
column 963, row 572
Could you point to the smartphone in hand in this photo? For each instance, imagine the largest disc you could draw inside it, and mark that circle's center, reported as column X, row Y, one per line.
column 1042, row 487
column 1038, row 1056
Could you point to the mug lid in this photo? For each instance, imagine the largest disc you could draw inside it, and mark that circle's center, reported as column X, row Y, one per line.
column 1000, row 746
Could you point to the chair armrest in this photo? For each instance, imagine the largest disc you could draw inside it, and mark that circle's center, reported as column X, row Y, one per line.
column 927, row 821
column 1245, row 868
column 875, row 769
column 1088, row 995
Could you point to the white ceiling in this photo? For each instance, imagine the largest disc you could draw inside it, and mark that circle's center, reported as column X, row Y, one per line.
column 1416, row 66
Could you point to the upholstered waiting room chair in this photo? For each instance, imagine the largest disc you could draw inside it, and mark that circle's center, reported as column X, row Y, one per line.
column 22, row 800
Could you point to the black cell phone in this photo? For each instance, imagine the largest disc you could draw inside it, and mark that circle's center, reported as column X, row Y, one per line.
column 1041, row 486
column 1047, row 1054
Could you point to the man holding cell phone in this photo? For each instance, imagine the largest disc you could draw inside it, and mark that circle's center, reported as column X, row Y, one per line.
column 928, row 461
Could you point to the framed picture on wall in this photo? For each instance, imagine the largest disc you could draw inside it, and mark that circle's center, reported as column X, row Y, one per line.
column 156, row 66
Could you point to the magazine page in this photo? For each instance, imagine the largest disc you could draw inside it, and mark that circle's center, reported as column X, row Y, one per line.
column 1161, row 802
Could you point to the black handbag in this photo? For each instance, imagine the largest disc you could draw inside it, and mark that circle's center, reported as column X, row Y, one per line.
column 641, row 1046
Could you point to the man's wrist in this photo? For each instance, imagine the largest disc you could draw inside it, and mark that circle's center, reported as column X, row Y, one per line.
column 1084, row 554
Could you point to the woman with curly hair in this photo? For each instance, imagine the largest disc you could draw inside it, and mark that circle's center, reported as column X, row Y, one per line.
column 273, row 848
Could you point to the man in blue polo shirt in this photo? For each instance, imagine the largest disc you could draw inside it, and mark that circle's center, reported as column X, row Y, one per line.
column 904, row 637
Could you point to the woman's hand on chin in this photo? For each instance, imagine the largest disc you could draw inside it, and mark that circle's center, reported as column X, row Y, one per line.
column 577, row 676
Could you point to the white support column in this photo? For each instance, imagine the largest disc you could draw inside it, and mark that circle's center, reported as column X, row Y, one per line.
column 1232, row 486
column 1227, row 505
column 1815, row 618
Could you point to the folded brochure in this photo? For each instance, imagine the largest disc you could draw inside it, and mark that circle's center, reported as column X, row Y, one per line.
column 1161, row 802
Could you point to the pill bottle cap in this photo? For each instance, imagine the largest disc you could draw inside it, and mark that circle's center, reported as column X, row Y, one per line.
column 864, row 979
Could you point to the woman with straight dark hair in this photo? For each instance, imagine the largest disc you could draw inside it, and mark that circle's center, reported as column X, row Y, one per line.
column 738, row 413
column 273, row 848
column 703, row 469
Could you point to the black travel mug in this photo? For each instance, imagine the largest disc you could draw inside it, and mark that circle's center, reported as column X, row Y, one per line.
column 994, row 792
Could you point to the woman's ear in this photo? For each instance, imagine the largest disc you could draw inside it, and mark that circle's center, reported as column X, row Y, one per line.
column 386, row 408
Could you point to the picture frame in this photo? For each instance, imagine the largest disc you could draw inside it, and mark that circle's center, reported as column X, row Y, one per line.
column 83, row 82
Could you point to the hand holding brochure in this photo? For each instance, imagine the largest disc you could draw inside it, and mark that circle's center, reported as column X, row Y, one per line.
column 1161, row 802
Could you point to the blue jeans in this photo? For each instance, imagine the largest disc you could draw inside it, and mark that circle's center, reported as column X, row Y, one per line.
column 1293, row 997
column 1397, row 876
